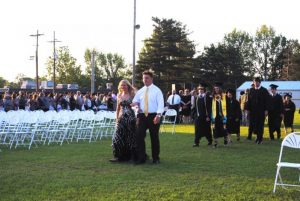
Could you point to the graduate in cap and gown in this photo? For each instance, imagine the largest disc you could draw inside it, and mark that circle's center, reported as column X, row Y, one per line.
column 234, row 114
column 201, row 113
column 289, row 111
column 257, row 106
column 275, row 113
column 219, row 114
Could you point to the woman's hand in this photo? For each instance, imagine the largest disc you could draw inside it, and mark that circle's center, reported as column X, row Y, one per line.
column 134, row 104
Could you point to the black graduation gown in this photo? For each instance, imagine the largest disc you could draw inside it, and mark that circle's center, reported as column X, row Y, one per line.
column 274, row 113
column 202, row 109
column 234, row 115
column 289, row 110
column 257, row 105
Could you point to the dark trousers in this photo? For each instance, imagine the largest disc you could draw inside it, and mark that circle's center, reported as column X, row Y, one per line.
column 274, row 123
column 250, row 131
column 144, row 123
column 202, row 128
column 256, row 125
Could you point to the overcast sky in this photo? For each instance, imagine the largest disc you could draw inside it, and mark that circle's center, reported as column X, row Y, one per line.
column 107, row 25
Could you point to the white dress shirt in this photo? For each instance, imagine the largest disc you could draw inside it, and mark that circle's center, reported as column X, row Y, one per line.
column 155, row 99
column 177, row 99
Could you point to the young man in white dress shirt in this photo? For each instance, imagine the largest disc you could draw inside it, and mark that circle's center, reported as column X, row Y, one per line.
column 151, row 106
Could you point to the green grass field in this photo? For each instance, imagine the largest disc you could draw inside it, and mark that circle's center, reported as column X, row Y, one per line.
column 81, row 171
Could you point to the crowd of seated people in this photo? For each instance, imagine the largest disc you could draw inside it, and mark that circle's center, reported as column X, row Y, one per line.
column 32, row 101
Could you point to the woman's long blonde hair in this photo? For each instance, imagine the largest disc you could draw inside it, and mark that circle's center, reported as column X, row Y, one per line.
column 131, row 90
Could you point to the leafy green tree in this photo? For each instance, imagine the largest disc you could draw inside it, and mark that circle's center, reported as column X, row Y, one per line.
column 113, row 66
column 109, row 67
column 269, row 49
column 168, row 52
column 220, row 63
column 243, row 42
column 88, row 70
column 291, row 61
column 67, row 71
column 2, row 82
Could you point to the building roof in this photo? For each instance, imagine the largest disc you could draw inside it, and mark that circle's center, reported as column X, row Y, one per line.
column 282, row 85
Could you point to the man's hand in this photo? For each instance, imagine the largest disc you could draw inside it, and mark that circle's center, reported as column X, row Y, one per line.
column 156, row 119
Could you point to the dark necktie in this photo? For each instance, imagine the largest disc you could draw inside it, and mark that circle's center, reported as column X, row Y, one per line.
column 173, row 99
column 220, row 108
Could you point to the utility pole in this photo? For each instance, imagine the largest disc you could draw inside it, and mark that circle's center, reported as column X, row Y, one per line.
column 135, row 26
column 93, row 72
column 37, row 58
column 54, row 58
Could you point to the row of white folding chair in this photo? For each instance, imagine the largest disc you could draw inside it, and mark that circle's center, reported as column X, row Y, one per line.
column 39, row 127
column 16, row 129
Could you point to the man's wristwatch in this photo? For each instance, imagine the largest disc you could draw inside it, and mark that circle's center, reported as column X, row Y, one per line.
column 158, row 115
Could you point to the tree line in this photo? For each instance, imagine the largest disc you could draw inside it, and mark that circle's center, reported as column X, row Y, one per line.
column 173, row 57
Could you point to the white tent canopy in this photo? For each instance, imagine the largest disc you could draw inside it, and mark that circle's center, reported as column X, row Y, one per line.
column 291, row 87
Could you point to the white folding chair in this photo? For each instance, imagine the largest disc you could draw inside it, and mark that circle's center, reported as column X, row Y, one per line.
column 98, row 124
column 58, row 129
column 109, row 125
column 84, row 128
column 292, row 140
column 169, row 118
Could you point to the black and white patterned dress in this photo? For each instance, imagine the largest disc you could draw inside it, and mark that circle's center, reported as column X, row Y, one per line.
column 123, row 142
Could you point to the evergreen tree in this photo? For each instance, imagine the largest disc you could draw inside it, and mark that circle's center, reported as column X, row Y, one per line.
column 168, row 52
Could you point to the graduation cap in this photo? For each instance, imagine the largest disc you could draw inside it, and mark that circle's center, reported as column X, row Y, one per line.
column 257, row 79
column 273, row 86
column 288, row 95
column 231, row 91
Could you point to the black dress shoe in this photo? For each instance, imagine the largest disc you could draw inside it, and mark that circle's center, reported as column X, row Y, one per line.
column 156, row 162
column 114, row 160
column 209, row 143
column 195, row 145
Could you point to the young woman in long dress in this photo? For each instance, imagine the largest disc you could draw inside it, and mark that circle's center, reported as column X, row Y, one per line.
column 123, row 142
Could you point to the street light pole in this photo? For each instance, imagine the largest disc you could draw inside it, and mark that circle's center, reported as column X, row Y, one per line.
column 37, row 58
column 133, row 56
column 135, row 26
column 93, row 72
column 54, row 58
